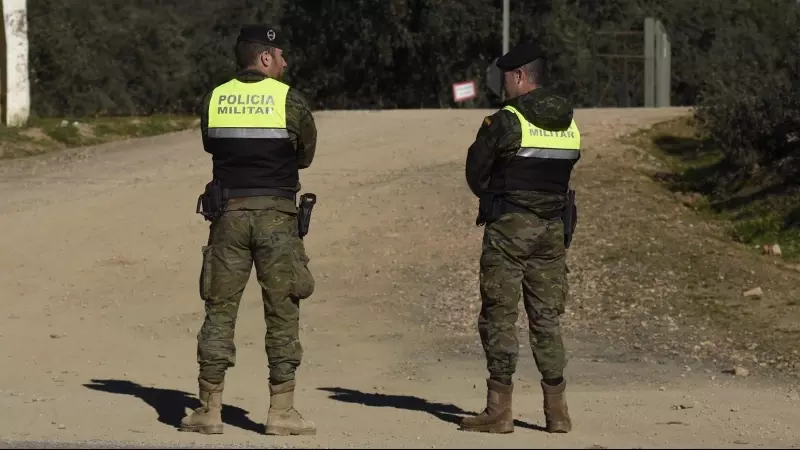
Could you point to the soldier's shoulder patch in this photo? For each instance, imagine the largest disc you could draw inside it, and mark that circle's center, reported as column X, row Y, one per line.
column 487, row 121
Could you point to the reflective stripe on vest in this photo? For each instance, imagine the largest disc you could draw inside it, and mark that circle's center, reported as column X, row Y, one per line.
column 240, row 110
column 544, row 144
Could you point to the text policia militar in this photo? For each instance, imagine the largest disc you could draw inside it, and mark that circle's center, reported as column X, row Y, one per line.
column 245, row 104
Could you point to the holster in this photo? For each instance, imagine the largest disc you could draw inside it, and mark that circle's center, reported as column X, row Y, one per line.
column 570, row 218
column 488, row 208
column 304, row 209
column 211, row 203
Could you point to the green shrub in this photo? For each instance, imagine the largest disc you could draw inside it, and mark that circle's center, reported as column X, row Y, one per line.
column 750, row 96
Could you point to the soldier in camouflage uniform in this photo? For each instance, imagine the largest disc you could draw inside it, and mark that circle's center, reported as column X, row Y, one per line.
column 260, row 132
column 520, row 166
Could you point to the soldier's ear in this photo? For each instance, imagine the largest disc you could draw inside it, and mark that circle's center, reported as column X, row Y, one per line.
column 266, row 58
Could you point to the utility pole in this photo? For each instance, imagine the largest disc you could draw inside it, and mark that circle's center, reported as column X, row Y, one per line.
column 506, row 27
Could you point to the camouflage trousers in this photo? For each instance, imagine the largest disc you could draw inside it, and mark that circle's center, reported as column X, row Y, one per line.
column 238, row 240
column 523, row 255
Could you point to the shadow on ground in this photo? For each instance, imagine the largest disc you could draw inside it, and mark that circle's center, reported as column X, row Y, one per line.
column 446, row 412
column 170, row 404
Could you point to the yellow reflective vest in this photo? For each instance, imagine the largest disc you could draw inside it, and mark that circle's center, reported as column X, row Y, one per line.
column 247, row 135
column 543, row 162
column 540, row 143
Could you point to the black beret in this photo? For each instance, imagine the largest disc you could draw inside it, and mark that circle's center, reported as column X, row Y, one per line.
column 262, row 34
column 520, row 55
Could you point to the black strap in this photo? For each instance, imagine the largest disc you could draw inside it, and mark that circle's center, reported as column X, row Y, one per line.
column 258, row 192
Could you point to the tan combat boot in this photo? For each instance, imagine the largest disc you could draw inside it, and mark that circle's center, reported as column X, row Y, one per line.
column 283, row 419
column 497, row 416
column 207, row 419
column 556, row 413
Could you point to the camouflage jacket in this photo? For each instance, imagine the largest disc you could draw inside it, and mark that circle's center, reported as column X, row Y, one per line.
column 499, row 138
column 302, row 132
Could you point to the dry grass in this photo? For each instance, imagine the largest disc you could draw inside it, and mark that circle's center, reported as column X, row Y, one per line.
column 43, row 135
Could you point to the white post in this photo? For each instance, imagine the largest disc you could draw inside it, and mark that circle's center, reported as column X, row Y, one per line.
column 17, row 107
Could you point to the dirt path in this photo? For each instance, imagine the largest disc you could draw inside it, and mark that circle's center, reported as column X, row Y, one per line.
column 99, row 262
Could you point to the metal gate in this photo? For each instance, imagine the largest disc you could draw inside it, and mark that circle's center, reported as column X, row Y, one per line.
column 632, row 67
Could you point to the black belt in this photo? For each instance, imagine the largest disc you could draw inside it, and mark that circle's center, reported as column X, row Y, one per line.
column 258, row 192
